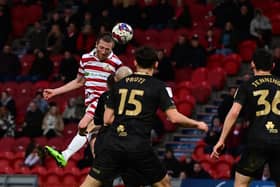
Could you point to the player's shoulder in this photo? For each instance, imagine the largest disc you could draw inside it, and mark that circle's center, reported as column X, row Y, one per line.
column 115, row 59
column 88, row 57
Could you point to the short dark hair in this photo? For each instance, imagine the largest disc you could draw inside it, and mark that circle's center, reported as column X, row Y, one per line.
column 106, row 36
column 146, row 57
column 262, row 59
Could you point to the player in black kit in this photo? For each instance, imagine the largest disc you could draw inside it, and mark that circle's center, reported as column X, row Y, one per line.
column 130, row 111
column 261, row 95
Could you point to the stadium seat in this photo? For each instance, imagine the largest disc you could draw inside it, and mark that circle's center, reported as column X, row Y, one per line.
column 217, row 78
column 21, row 144
column 222, row 169
column 227, row 158
column 185, row 108
column 167, row 35
column 34, row 13
column 69, row 179
column 10, row 87
column 22, row 170
column 42, row 85
column 151, row 35
column 42, row 140
column 6, row 170
column 7, row 143
column 215, row 60
column 139, row 36
column 52, row 179
column 201, row 91
column 183, row 74
column 199, row 75
column 4, row 162
column 198, row 152
column 19, row 155
column 246, row 49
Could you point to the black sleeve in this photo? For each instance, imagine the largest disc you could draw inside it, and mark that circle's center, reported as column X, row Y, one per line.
column 241, row 94
column 110, row 101
column 165, row 100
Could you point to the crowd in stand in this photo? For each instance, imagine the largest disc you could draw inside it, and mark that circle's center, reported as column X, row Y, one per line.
column 69, row 28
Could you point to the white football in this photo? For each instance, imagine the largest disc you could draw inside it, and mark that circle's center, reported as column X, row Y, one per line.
column 122, row 33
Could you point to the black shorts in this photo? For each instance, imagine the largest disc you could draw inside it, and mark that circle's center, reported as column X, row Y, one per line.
column 135, row 167
column 253, row 160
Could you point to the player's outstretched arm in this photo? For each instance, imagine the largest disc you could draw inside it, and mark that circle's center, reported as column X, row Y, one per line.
column 228, row 124
column 72, row 85
column 176, row 117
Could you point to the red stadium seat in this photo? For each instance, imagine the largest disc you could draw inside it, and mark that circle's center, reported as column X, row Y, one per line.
column 39, row 170
column 22, row 170
column 185, row 107
column 4, row 162
column 56, row 142
column 199, row 75
column 69, row 179
column 227, row 158
column 246, row 49
column 151, row 35
column 42, row 140
column 19, row 155
column 21, row 144
column 52, row 179
column 42, row 85
column 7, row 144
column 167, row 35
column 215, row 60
column 222, row 169
column 198, row 153
column 217, row 78
column 6, row 170
column 183, row 74
column 201, row 91
column 33, row 13
column 138, row 36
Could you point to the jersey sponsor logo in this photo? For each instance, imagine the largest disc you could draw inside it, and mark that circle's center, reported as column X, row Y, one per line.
column 121, row 130
column 271, row 127
column 95, row 74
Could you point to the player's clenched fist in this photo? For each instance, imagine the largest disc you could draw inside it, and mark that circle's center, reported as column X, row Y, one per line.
column 202, row 126
column 48, row 93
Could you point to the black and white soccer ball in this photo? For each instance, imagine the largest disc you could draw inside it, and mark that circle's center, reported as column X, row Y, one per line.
column 122, row 33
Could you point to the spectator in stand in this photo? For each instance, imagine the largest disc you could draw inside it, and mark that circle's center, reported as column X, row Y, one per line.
column 260, row 29
column 70, row 39
column 266, row 173
column 243, row 25
column 117, row 12
column 276, row 60
column 54, row 40
column 249, row 6
column 34, row 155
column 226, row 104
column 8, row 102
column 213, row 134
column 161, row 20
column 5, row 22
column 55, row 20
column 87, row 19
column 186, row 167
column 133, row 10
column 42, row 66
column 225, row 11
column 210, row 41
column 182, row 17
column 86, row 40
column 229, row 40
column 7, row 124
column 197, row 53
column 103, row 17
column 10, row 66
column 165, row 70
column 52, row 123
column 37, row 37
column 144, row 19
column 68, row 67
column 68, row 16
column 171, row 163
column 33, row 121
column 70, row 115
column 41, row 103
column 198, row 172
column 179, row 54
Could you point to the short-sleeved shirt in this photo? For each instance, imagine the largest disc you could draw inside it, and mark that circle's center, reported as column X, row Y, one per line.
column 135, row 100
column 261, row 98
column 96, row 73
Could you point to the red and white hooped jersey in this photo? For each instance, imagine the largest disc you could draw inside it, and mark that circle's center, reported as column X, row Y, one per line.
column 96, row 74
